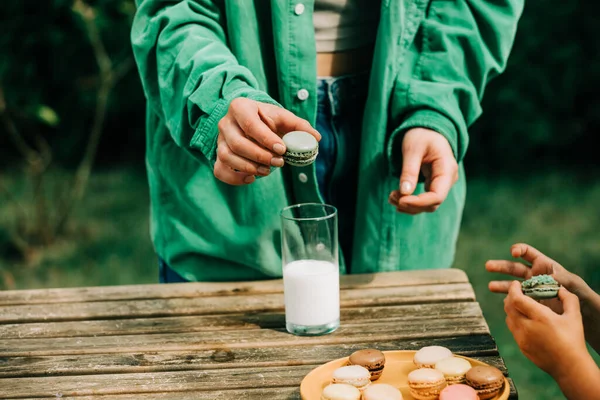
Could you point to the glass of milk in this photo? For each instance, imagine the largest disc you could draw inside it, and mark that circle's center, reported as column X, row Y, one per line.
column 311, row 278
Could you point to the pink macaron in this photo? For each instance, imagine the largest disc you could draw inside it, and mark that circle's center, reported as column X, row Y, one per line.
column 459, row 392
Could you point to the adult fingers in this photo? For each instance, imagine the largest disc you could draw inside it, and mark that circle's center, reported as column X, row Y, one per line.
column 443, row 176
column 394, row 199
column 410, row 210
column 246, row 114
column 284, row 121
column 516, row 269
column 237, row 163
column 244, row 147
column 412, row 158
column 231, row 177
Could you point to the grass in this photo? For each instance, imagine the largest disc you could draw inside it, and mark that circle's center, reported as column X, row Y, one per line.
column 110, row 244
column 556, row 212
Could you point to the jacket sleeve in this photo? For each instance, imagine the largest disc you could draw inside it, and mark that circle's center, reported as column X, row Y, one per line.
column 459, row 46
column 188, row 73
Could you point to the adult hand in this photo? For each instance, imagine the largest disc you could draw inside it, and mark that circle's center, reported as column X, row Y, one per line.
column 554, row 342
column 426, row 151
column 249, row 140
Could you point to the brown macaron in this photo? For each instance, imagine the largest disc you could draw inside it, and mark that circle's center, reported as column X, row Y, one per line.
column 371, row 359
column 486, row 380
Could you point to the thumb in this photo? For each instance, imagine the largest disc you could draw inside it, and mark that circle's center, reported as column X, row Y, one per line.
column 411, row 166
column 569, row 301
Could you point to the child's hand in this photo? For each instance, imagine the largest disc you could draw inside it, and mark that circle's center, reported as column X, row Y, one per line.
column 554, row 342
column 540, row 264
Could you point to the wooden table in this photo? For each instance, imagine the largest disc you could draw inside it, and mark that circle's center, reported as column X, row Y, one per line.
column 219, row 340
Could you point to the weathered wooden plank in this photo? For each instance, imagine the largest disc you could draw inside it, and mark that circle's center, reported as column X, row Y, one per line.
column 203, row 289
column 283, row 393
column 367, row 333
column 482, row 347
column 156, row 382
column 215, row 381
column 139, row 326
column 227, row 304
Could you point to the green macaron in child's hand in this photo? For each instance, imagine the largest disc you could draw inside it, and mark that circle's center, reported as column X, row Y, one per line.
column 540, row 287
column 301, row 148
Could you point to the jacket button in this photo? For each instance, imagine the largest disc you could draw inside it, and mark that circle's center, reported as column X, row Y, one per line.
column 299, row 9
column 302, row 177
column 302, row 94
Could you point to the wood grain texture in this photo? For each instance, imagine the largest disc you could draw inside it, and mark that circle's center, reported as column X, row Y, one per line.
column 369, row 333
column 268, row 320
column 227, row 304
column 284, row 393
column 156, row 382
column 477, row 346
column 209, row 289
column 219, row 340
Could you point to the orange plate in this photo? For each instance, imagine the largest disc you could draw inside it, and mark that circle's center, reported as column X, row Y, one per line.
column 397, row 366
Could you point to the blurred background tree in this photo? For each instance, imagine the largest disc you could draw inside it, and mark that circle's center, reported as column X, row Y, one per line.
column 532, row 161
column 51, row 76
column 52, row 205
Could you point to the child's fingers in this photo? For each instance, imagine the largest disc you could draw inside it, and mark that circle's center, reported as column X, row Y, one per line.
column 509, row 302
column 515, row 269
column 569, row 301
column 499, row 286
column 542, row 263
column 526, row 305
column 512, row 324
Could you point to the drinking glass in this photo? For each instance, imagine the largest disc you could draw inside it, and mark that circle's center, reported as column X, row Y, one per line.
column 311, row 280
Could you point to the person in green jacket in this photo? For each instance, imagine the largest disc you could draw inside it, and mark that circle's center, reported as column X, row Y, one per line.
column 389, row 87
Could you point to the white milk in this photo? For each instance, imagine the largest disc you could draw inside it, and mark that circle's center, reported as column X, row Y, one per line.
column 312, row 292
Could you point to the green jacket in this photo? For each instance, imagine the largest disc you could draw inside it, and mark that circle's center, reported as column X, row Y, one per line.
column 432, row 61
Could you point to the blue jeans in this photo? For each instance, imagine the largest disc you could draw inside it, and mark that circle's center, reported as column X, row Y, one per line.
column 340, row 107
column 167, row 274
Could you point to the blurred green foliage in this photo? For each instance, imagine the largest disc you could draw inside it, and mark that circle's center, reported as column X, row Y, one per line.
column 545, row 109
column 49, row 75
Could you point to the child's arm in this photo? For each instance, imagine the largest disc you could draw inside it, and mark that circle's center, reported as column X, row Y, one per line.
column 590, row 310
column 554, row 342
column 583, row 382
column 542, row 264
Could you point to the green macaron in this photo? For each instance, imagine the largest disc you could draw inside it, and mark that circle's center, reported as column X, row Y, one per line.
column 301, row 148
column 540, row 287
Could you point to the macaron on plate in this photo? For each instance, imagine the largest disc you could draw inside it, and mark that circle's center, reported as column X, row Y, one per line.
column 395, row 372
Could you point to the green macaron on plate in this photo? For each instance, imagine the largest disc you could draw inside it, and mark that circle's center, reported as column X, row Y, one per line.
column 540, row 287
column 398, row 364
